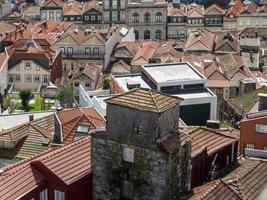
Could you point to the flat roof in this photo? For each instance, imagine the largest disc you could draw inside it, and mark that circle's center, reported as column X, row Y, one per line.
column 123, row 80
column 196, row 95
column 173, row 72
column 9, row 121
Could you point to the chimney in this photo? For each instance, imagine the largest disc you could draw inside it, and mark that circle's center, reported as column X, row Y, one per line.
column 31, row 118
column 262, row 101
column 215, row 124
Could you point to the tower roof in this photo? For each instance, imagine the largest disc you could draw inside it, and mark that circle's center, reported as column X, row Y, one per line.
column 146, row 100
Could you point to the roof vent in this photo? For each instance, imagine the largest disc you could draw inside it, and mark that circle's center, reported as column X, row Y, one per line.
column 131, row 84
column 76, row 31
column 215, row 124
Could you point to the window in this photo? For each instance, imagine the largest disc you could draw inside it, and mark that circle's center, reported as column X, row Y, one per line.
column 27, row 66
column 249, row 146
column 78, row 18
column 147, row 34
column 122, row 15
column 265, row 148
column 240, row 23
column 261, row 128
column 17, row 78
column 76, row 84
column 59, row 195
column 106, row 4
column 45, row 78
column 128, row 155
column 248, row 22
column 70, row 50
column 37, row 68
column 99, row 17
column 147, row 18
column 71, row 18
column 87, row 50
column 10, row 79
column 86, row 18
column 158, row 35
column 189, row 21
column 17, row 68
column 114, row 4
column 36, row 78
column 135, row 18
column 96, row 51
column 137, row 129
column 43, row 195
column 87, row 84
column 28, row 78
column 122, row 3
column 136, row 35
column 92, row 18
column 114, row 16
column 158, row 17
column 82, row 128
column 51, row 15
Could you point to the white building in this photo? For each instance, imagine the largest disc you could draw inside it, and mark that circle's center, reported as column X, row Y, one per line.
column 179, row 79
column 3, row 72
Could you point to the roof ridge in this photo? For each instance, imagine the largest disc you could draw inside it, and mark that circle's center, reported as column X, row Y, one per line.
column 153, row 99
column 32, row 158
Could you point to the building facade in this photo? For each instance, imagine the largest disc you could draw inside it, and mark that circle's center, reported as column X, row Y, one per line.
column 114, row 11
column 136, row 156
column 149, row 19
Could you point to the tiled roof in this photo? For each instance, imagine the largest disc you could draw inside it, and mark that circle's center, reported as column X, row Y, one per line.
column 173, row 141
column 216, row 7
column 175, row 12
column 244, row 103
column 248, row 181
column 210, row 139
column 229, row 40
column 202, row 37
column 53, row 3
column 28, row 138
column 90, row 70
column 79, row 36
column 195, row 11
column 72, row 8
column 94, row 4
column 69, row 163
column 145, row 99
column 71, row 118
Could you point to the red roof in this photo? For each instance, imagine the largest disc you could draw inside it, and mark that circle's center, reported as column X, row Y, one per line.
column 68, row 163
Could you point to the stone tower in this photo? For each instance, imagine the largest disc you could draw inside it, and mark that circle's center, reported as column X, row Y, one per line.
column 141, row 155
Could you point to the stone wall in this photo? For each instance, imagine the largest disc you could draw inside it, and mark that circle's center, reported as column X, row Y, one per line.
column 150, row 174
column 150, row 169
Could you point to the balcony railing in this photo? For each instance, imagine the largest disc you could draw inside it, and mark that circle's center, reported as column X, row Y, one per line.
column 256, row 153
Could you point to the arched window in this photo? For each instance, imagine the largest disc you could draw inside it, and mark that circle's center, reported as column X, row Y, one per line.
column 136, row 35
column 158, row 17
column 135, row 18
column 158, row 35
column 147, row 34
column 147, row 18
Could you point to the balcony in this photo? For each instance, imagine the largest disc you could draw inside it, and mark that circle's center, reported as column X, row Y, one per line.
column 256, row 153
column 83, row 56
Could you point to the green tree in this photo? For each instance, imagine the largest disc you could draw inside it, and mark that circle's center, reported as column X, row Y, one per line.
column 66, row 96
column 106, row 84
column 25, row 95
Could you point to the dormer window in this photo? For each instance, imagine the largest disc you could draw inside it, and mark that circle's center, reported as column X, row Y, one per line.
column 137, row 129
column 82, row 128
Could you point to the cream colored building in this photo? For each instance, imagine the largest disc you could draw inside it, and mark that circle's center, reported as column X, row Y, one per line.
column 28, row 74
column 3, row 72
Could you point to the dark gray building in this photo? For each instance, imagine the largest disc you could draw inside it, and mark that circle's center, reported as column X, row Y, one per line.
column 141, row 155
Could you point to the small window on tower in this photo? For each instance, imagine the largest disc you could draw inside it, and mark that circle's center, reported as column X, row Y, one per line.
column 137, row 129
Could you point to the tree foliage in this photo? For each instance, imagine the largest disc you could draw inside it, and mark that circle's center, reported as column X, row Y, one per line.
column 25, row 95
column 66, row 96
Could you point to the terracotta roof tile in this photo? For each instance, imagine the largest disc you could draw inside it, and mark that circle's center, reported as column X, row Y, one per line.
column 145, row 99
column 208, row 138
column 69, row 163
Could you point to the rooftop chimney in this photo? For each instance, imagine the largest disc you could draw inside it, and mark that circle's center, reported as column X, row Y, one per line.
column 31, row 118
column 262, row 101
column 215, row 124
